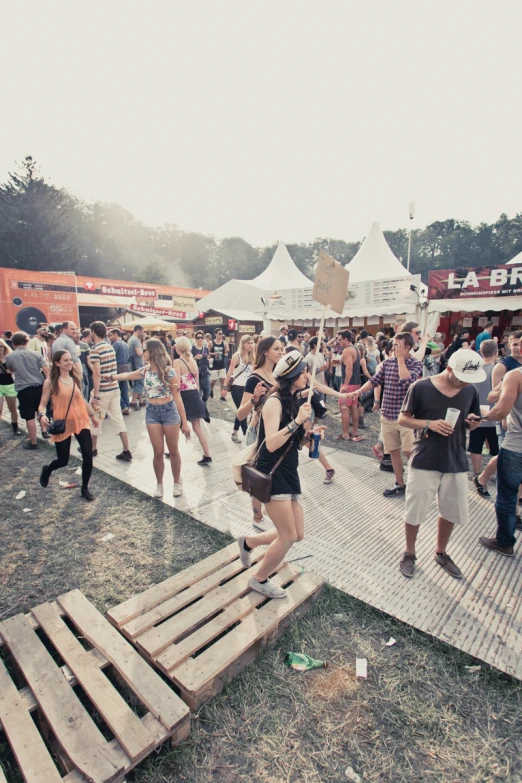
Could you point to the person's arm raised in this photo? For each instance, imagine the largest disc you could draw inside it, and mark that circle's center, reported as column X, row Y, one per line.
column 511, row 388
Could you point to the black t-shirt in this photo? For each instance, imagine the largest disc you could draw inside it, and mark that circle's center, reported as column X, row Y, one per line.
column 203, row 362
column 218, row 349
column 6, row 379
column 253, row 380
column 285, row 479
column 438, row 452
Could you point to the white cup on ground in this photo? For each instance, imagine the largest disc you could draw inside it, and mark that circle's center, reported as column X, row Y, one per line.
column 484, row 410
column 452, row 414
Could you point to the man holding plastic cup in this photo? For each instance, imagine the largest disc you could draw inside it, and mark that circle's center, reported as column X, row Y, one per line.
column 440, row 409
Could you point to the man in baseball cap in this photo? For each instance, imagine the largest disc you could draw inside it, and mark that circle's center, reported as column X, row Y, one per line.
column 440, row 409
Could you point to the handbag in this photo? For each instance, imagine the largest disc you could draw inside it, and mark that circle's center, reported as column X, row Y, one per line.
column 258, row 484
column 57, row 426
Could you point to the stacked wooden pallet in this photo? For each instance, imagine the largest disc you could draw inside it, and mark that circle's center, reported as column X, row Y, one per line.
column 203, row 625
column 86, row 686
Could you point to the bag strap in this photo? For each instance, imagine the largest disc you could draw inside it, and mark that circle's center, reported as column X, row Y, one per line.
column 283, row 455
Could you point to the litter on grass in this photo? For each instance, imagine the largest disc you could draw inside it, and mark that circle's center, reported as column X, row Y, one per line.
column 21, row 494
column 352, row 775
column 78, row 472
column 67, row 484
column 302, row 663
column 26, row 510
column 391, row 641
column 361, row 668
column 473, row 668
column 107, row 537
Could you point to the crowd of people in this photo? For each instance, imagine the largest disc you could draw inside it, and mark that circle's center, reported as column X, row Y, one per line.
column 435, row 404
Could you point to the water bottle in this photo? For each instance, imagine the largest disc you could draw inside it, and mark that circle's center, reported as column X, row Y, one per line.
column 314, row 445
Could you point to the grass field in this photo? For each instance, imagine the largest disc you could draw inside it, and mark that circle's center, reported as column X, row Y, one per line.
column 421, row 715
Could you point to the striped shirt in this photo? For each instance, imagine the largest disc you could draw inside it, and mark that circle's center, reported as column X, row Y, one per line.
column 395, row 388
column 103, row 353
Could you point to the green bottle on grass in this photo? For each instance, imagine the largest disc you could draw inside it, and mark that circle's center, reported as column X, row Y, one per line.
column 302, row 663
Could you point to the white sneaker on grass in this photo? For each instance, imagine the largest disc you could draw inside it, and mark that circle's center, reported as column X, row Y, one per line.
column 267, row 588
column 159, row 491
column 178, row 490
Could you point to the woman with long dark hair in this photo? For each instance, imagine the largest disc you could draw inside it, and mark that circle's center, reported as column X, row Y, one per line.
column 165, row 411
column 281, row 431
column 64, row 389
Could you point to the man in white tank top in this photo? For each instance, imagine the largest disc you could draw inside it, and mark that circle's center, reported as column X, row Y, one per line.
column 509, row 468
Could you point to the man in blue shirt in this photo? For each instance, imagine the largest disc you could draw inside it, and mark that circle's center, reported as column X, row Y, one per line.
column 123, row 365
column 487, row 334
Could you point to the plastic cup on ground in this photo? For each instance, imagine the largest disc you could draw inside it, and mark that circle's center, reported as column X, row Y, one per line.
column 484, row 410
column 452, row 414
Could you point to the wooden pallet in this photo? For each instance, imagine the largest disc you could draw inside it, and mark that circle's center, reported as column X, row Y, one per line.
column 66, row 686
column 203, row 625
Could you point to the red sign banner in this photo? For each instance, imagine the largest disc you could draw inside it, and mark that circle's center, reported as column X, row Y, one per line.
column 475, row 282
column 123, row 290
column 137, row 308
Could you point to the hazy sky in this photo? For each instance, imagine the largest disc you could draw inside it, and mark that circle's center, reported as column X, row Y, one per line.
column 270, row 119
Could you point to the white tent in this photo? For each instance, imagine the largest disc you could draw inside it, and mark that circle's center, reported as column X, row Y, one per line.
column 374, row 260
column 281, row 273
column 517, row 259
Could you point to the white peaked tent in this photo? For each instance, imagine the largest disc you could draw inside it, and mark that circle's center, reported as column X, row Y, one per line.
column 280, row 275
column 374, row 260
column 517, row 259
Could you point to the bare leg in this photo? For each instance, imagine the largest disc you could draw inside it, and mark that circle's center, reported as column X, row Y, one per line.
column 172, row 438
column 196, row 426
column 411, row 537
column 31, row 429
column 11, row 404
column 488, row 472
column 289, row 526
column 156, row 438
column 355, row 421
column 94, row 442
column 125, row 440
column 443, row 534
column 398, row 467
column 345, row 420
column 324, row 462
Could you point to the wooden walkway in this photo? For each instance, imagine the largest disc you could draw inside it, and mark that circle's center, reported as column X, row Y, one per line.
column 355, row 537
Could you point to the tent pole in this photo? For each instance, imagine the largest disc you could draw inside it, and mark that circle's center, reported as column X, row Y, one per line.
column 317, row 352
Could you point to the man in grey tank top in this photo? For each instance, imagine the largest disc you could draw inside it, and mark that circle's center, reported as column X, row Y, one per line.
column 509, row 467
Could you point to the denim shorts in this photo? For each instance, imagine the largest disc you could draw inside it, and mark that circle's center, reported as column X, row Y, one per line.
column 166, row 414
column 289, row 496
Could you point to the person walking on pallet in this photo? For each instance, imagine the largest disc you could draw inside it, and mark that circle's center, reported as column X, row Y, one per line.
column 280, row 433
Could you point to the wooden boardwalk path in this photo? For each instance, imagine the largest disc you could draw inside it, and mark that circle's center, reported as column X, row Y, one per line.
column 356, row 538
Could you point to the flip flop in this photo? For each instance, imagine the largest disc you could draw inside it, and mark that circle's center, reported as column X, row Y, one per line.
column 342, row 437
column 358, row 438
column 378, row 454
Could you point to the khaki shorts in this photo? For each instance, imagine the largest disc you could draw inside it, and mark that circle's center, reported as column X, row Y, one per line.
column 395, row 437
column 110, row 403
column 450, row 489
column 215, row 375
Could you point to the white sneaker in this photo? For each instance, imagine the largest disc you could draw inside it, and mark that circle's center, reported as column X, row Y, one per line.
column 159, row 491
column 267, row 588
column 236, row 438
column 263, row 525
column 178, row 490
column 244, row 555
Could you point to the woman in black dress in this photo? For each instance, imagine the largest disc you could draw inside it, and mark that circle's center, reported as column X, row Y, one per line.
column 281, row 431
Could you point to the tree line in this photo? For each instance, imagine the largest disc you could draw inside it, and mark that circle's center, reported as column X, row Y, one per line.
column 47, row 228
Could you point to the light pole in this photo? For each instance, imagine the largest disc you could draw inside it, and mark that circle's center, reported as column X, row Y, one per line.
column 412, row 215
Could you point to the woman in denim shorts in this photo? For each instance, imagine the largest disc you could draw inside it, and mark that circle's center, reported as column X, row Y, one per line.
column 7, row 389
column 165, row 410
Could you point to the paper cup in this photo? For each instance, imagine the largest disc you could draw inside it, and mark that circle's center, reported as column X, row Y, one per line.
column 452, row 414
column 484, row 410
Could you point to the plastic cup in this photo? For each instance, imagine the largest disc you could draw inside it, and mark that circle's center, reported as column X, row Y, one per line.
column 452, row 414
column 484, row 410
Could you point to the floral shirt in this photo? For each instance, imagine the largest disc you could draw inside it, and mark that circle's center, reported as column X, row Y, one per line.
column 154, row 388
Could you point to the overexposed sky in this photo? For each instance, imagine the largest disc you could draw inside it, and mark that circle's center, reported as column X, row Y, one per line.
column 286, row 119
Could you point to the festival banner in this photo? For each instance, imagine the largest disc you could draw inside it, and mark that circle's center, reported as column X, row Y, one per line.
column 481, row 281
column 138, row 308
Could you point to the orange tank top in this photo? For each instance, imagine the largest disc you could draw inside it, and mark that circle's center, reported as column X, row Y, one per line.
column 78, row 416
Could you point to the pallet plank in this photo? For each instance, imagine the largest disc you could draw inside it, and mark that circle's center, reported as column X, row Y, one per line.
column 148, row 687
column 150, row 598
column 122, row 721
column 154, row 616
column 69, row 721
column 23, row 736
column 194, row 674
column 175, row 654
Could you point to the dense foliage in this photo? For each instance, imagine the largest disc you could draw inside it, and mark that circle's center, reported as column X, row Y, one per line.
column 45, row 228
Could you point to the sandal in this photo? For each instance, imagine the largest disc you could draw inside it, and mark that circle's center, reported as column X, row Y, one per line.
column 358, row 438
column 342, row 437
column 379, row 454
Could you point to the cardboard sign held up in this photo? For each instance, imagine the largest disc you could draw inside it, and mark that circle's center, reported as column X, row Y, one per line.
column 331, row 283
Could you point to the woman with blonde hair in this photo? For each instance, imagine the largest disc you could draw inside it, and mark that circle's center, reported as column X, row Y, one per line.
column 195, row 409
column 238, row 374
column 7, row 389
column 165, row 412
column 373, row 356
column 65, row 390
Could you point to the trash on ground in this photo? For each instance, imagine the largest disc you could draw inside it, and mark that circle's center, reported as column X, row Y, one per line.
column 301, row 662
column 21, row 494
column 361, row 668
column 352, row 775
column 107, row 537
column 26, row 510
column 391, row 641
column 67, row 484
column 473, row 668
column 78, row 472
column 339, row 616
